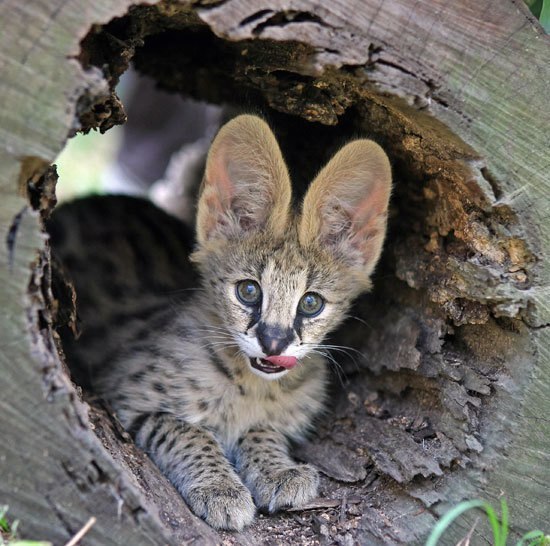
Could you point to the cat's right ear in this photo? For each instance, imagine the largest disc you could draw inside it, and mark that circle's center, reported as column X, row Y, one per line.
column 246, row 186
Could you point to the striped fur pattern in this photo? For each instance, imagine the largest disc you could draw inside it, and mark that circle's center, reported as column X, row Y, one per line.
column 211, row 386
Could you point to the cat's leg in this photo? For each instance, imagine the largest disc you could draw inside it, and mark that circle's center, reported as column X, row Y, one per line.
column 275, row 479
column 195, row 463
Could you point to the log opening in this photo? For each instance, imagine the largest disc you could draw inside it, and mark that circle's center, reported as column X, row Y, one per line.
column 443, row 332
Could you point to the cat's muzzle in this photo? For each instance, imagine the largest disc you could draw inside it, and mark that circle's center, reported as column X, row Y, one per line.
column 274, row 364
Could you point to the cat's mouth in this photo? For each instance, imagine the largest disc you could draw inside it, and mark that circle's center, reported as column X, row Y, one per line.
column 273, row 364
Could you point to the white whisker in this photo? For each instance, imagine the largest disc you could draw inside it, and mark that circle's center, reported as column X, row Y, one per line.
column 362, row 321
column 338, row 368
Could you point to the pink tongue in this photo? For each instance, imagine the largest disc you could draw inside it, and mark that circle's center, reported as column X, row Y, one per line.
column 283, row 361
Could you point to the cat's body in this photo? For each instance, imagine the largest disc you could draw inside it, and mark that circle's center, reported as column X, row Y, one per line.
column 213, row 382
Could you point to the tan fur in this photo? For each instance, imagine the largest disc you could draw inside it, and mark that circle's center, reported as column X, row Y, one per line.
column 183, row 377
column 346, row 206
column 244, row 164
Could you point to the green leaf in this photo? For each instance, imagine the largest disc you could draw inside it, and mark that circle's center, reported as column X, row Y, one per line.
column 544, row 16
column 535, row 6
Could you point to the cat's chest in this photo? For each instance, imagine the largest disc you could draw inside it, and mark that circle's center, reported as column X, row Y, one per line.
column 231, row 408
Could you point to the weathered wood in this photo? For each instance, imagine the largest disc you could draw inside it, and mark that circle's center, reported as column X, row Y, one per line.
column 451, row 385
column 55, row 471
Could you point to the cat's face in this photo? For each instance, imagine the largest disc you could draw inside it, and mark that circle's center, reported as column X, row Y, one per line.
column 275, row 299
column 279, row 282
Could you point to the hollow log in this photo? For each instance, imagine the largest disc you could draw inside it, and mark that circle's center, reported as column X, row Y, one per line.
column 447, row 396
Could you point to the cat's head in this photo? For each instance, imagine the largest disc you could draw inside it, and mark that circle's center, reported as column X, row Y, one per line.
column 279, row 281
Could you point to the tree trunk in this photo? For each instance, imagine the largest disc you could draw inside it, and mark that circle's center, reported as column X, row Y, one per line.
column 448, row 396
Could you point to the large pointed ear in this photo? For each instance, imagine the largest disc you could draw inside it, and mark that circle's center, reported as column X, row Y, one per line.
column 345, row 209
column 246, row 186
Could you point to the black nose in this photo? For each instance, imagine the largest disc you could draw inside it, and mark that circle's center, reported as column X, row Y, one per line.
column 273, row 339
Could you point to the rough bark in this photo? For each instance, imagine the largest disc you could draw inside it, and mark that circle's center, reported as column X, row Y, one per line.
column 447, row 397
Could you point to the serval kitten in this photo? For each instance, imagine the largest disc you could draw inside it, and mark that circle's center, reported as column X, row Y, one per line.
column 213, row 383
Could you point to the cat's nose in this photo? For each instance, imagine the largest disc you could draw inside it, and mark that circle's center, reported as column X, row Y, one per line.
column 273, row 339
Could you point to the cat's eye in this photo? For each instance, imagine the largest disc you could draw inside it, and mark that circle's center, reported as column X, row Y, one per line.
column 311, row 304
column 248, row 292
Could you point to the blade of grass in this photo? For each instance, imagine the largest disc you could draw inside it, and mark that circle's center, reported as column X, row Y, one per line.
column 530, row 536
column 503, row 521
column 441, row 526
column 495, row 524
column 4, row 525
column 13, row 527
column 498, row 526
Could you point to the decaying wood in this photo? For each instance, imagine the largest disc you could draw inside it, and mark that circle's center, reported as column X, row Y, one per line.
column 447, row 393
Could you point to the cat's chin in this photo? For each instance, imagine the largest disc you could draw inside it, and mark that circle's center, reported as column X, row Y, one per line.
column 266, row 369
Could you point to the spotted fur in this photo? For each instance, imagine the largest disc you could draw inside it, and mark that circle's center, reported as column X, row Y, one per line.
column 177, row 365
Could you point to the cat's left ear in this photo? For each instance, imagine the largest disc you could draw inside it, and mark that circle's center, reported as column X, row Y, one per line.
column 345, row 209
column 246, row 186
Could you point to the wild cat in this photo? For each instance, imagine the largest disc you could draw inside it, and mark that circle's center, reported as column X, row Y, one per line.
column 214, row 383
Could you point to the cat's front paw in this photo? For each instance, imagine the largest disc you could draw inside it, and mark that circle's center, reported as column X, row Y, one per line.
column 223, row 506
column 291, row 487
